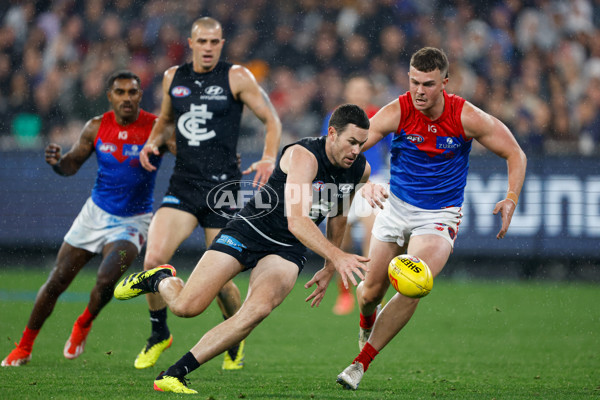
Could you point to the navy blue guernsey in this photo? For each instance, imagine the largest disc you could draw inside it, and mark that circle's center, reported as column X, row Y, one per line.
column 207, row 125
column 331, row 187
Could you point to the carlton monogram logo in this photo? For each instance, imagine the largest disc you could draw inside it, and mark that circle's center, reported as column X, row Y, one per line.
column 192, row 125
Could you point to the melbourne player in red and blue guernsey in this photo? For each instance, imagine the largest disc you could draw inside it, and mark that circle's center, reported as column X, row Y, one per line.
column 113, row 222
column 432, row 136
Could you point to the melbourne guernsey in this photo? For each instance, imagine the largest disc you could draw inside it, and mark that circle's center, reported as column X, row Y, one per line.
column 123, row 187
column 430, row 159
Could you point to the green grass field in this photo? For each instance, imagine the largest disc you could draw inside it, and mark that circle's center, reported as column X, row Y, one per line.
column 468, row 340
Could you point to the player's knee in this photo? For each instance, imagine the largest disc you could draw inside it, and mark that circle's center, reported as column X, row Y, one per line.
column 187, row 309
column 372, row 295
column 56, row 284
column 151, row 262
column 153, row 259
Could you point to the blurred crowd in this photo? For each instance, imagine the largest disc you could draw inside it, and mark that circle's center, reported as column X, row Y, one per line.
column 533, row 64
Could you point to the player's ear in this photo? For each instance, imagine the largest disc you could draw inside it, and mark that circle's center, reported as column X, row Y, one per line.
column 444, row 83
column 331, row 132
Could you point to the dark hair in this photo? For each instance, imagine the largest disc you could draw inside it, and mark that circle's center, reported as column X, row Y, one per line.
column 349, row 114
column 122, row 74
column 429, row 59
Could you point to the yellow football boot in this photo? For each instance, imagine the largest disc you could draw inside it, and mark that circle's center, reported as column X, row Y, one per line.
column 237, row 363
column 142, row 282
column 165, row 383
column 148, row 356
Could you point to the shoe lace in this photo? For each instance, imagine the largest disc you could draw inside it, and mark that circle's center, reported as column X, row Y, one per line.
column 185, row 381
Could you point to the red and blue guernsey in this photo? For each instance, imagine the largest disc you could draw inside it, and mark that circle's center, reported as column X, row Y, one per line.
column 123, row 187
column 430, row 158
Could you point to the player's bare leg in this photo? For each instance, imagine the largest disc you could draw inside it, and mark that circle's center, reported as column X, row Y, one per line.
column 371, row 291
column 69, row 262
column 270, row 282
column 116, row 258
column 229, row 300
column 168, row 229
column 432, row 249
column 192, row 298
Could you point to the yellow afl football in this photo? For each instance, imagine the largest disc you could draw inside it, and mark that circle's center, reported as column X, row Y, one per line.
column 410, row 276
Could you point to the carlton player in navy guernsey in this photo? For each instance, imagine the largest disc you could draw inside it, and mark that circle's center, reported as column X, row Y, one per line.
column 202, row 102
column 113, row 222
column 315, row 178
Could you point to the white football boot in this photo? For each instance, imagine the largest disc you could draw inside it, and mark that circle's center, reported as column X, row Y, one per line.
column 351, row 376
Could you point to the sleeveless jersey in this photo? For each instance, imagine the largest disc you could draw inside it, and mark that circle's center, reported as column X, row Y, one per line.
column 376, row 155
column 207, row 125
column 330, row 186
column 123, row 187
column 430, row 159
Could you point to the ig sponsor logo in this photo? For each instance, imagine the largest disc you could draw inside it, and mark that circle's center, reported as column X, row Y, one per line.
column 234, row 195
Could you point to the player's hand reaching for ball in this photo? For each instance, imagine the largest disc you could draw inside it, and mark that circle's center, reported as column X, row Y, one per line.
column 53, row 153
column 346, row 265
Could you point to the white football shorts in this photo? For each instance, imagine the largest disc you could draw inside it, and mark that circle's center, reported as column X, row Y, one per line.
column 398, row 221
column 94, row 228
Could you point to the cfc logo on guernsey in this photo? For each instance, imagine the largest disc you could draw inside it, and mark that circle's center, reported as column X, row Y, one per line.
column 192, row 125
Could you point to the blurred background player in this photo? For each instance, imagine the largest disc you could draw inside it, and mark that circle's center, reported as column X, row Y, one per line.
column 359, row 90
column 433, row 134
column 113, row 222
column 203, row 102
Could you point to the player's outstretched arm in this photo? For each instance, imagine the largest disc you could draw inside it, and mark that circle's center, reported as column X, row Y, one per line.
column 164, row 127
column 70, row 163
column 383, row 123
column 495, row 136
column 336, row 227
column 245, row 88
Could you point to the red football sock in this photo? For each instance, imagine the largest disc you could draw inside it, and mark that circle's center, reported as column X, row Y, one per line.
column 366, row 355
column 86, row 318
column 28, row 338
column 368, row 321
column 343, row 289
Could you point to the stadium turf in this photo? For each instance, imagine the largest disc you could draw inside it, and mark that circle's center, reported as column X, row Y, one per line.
column 471, row 339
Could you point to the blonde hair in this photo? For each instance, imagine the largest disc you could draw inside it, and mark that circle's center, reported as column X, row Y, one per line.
column 206, row 22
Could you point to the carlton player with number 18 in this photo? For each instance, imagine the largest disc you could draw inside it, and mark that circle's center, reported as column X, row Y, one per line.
column 433, row 133
column 113, row 222
column 203, row 102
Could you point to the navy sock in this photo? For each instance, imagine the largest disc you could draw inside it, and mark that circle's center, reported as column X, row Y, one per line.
column 157, row 278
column 184, row 366
column 160, row 330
